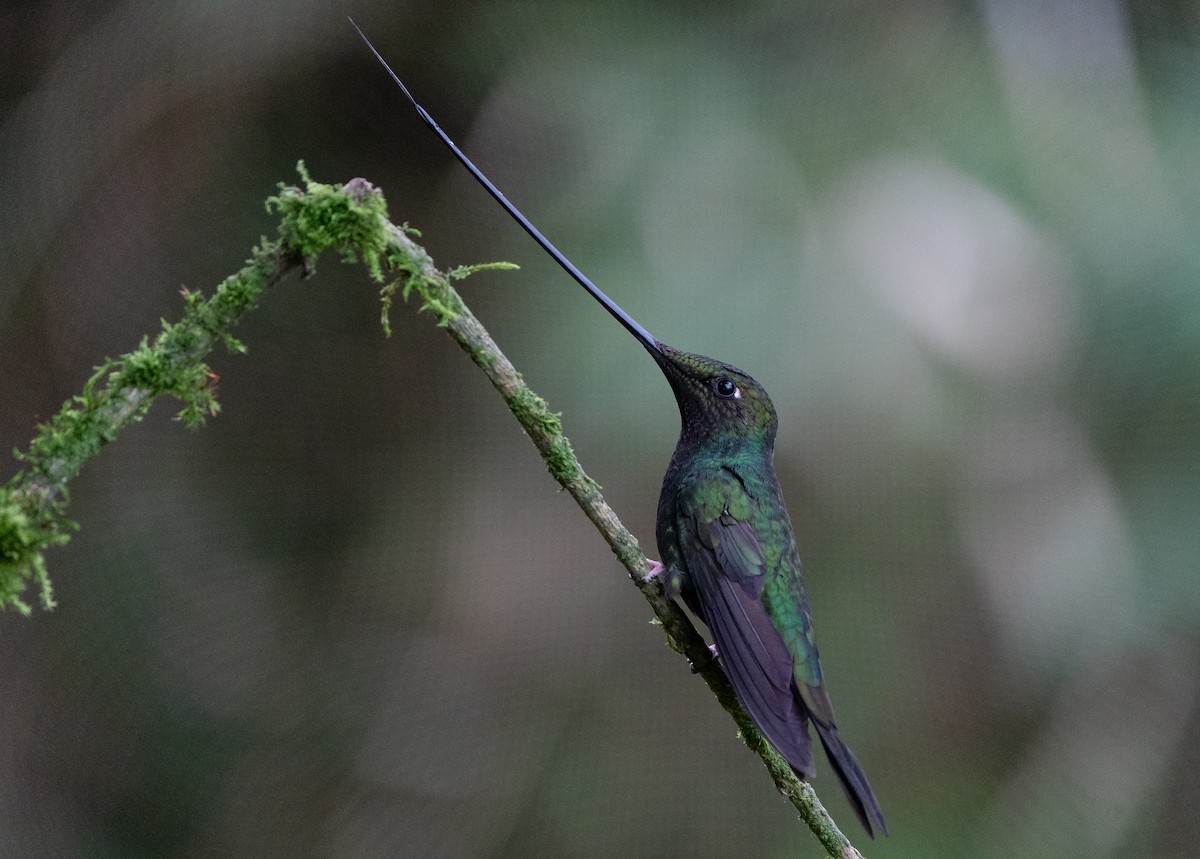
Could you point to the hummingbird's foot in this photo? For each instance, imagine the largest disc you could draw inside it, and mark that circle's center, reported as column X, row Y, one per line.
column 696, row 669
column 656, row 569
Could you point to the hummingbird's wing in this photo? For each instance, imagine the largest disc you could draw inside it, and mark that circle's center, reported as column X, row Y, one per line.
column 762, row 628
column 726, row 569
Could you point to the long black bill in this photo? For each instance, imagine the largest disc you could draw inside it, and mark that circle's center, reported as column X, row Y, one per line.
column 643, row 336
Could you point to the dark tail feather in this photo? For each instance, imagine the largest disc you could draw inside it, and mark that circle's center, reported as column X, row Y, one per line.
column 852, row 778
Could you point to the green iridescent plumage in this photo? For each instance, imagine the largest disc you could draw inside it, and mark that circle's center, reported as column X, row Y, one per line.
column 728, row 549
column 726, row 541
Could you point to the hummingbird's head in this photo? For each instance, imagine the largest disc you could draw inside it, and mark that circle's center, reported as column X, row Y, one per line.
column 715, row 398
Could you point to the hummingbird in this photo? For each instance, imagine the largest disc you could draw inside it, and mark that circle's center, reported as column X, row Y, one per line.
column 725, row 537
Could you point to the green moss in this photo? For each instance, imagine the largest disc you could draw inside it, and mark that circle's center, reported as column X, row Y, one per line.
column 414, row 272
column 532, row 411
column 23, row 536
column 351, row 221
column 465, row 271
column 561, row 461
column 434, row 292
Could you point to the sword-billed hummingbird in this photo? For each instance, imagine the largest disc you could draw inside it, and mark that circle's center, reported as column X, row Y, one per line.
column 725, row 537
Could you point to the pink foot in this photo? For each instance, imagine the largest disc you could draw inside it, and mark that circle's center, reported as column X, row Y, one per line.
column 656, row 569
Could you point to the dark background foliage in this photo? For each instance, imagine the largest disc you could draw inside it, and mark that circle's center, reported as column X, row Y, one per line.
column 353, row 617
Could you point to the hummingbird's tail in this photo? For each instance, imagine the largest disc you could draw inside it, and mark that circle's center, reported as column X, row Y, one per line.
column 852, row 778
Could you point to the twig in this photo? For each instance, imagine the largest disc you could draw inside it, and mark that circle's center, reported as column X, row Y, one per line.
column 353, row 221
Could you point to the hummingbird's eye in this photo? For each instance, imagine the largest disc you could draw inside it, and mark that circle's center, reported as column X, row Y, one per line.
column 725, row 388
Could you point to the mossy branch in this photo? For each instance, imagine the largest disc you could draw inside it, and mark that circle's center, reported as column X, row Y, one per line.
column 351, row 220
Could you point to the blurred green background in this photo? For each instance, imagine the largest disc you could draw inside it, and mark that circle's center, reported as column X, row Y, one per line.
column 353, row 618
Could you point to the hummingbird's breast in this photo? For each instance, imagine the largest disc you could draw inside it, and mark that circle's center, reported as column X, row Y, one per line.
column 695, row 470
